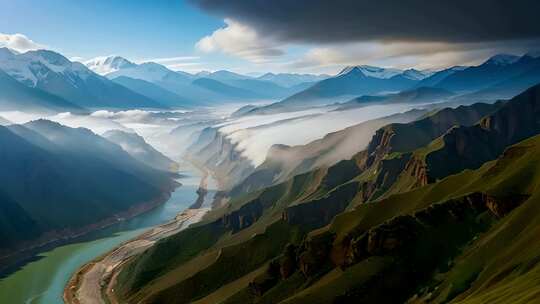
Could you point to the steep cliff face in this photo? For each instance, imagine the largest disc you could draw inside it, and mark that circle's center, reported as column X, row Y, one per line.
column 412, row 242
column 469, row 147
column 219, row 154
column 387, row 153
column 313, row 239
column 394, row 160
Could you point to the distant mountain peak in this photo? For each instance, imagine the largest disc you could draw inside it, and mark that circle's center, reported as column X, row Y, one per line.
column 34, row 66
column 372, row 71
column 351, row 70
column 502, row 59
column 228, row 74
column 153, row 66
column 266, row 75
column 108, row 64
column 203, row 74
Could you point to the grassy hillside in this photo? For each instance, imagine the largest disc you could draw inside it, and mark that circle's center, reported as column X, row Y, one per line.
column 376, row 244
column 379, row 228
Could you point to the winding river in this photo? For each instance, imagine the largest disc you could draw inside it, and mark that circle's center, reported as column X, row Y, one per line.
column 41, row 279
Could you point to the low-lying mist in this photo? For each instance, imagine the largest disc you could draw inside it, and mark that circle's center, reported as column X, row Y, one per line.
column 254, row 135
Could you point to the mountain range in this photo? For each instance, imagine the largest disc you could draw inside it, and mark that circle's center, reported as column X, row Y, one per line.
column 51, row 82
column 501, row 76
column 441, row 209
column 417, row 95
column 51, row 72
column 15, row 96
column 198, row 88
column 46, row 81
column 49, row 187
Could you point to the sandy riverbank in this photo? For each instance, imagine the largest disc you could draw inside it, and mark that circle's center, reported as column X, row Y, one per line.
column 91, row 282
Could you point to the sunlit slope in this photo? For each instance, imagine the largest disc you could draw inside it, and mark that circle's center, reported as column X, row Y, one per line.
column 472, row 209
column 349, row 231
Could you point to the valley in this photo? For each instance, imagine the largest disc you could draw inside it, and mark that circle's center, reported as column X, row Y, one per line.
column 47, row 271
column 404, row 176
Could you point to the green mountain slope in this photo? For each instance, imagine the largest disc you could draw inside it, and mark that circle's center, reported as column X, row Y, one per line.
column 379, row 228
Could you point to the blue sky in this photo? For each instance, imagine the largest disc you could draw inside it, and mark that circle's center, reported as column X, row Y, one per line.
column 148, row 29
column 97, row 27
column 137, row 30
column 143, row 30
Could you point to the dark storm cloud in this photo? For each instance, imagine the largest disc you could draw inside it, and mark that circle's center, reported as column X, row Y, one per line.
column 330, row 21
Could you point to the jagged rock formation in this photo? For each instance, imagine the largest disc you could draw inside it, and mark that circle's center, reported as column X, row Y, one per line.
column 283, row 162
column 218, row 153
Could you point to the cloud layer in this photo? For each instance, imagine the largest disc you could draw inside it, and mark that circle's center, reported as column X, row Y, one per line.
column 421, row 55
column 240, row 40
column 404, row 34
column 19, row 42
column 321, row 21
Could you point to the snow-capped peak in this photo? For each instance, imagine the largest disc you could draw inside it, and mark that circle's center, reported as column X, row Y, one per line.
column 33, row 66
column 108, row 64
column 502, row 59
column 372, row 71
column 349, row 70
column 148, row 71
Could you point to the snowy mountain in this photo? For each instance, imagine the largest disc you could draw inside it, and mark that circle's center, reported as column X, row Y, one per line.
column 349, row 83
column 372, row 71
column 15, row 96
column 386, row 73
column 33, row 67
column 108, row 64
column 152, row 72
column 72, row 81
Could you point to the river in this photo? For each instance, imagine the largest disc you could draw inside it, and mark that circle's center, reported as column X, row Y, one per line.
column 42, row 278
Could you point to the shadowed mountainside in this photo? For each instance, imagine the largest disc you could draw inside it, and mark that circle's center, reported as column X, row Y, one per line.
column 57, row 182
column 351, row 231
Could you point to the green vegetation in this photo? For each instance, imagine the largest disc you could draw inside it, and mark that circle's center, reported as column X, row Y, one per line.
column 396, row 223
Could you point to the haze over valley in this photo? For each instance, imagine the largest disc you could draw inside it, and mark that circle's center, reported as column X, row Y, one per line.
column 248, row 152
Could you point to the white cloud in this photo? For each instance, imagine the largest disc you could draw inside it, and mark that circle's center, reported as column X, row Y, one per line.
column 176, row 63
column 19, row 42
column 169, row 59
column 254, row 135
column 76, row 58
column 242, row 41
column 420, row 55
